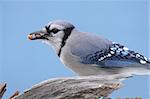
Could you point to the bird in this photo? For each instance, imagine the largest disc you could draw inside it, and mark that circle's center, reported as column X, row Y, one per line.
column 89, row 54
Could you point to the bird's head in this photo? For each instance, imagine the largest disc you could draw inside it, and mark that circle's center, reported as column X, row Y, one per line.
column 55, row 33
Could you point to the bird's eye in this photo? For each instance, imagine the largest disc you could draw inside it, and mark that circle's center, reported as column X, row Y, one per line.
column 55, row 30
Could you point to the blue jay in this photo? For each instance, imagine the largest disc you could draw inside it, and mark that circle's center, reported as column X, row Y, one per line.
column 87, row 54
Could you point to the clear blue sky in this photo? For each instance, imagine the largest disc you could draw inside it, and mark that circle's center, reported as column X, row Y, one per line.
column 24, row 63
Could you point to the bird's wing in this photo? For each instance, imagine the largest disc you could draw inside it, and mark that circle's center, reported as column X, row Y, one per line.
column 108, row 55
column 116, row 56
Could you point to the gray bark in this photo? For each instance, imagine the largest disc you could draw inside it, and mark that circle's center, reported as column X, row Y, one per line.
column 2, row 89
column 80, row 87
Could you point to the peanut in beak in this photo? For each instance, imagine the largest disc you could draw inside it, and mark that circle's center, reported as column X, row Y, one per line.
column 30, row 37
column 34, row 36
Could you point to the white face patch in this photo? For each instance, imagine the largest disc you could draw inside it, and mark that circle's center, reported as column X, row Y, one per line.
column 56, row 26
column 46, row 42
column 44, row 29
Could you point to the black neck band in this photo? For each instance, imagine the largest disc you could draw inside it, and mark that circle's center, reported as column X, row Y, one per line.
column 67, row 32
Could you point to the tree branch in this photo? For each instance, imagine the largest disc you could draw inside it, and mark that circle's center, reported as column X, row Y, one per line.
column 2, row 89
column 80, row 87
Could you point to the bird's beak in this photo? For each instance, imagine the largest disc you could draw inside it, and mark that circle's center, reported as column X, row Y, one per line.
column 37, row 35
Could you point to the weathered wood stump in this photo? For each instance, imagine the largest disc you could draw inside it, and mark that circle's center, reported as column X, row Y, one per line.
column 2, row 89
column 80, row 87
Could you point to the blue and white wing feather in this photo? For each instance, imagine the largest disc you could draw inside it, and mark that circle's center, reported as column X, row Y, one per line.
column 104, row 53
column 116, row 56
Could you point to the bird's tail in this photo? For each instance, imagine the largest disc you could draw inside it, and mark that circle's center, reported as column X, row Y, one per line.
column 146, row 69
column 148, row 66
column 141, row 69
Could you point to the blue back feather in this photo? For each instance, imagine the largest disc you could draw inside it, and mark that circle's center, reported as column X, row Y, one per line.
column 102, row 52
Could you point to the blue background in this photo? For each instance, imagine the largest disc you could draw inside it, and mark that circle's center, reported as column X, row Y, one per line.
column 24, row 63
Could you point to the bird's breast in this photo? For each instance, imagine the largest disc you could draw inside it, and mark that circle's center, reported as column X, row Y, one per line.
column 73, row 63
